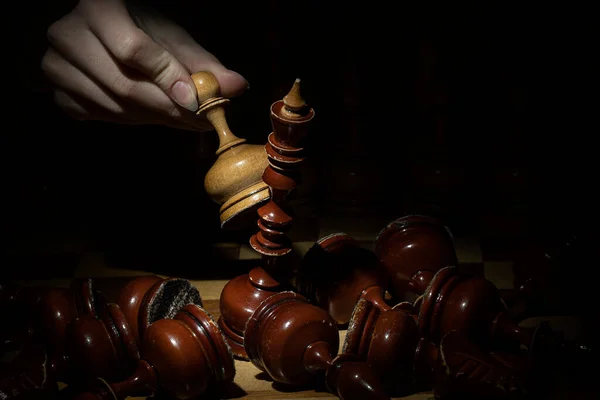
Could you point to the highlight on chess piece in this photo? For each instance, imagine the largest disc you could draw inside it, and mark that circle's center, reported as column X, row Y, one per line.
column 234, row 181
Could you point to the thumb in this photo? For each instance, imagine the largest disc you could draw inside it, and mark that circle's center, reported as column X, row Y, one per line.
column 196, row 59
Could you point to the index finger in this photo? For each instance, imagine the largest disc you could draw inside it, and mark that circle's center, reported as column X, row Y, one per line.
column 110, row 21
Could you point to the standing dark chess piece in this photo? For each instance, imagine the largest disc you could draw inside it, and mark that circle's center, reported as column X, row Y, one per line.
column 290, row 118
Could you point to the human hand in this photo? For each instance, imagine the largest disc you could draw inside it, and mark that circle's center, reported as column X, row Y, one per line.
column 121, row 62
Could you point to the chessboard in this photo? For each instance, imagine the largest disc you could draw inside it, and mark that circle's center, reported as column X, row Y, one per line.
column 474, row 254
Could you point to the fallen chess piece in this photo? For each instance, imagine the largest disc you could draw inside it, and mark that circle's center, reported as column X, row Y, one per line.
column 402, row 343
column 407, row 253
column 84, row 336
column 183, row 358
column 412, row 249
column 294, row 341
column 335, row 271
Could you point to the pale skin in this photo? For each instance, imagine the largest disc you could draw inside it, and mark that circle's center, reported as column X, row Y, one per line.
column 116, row 61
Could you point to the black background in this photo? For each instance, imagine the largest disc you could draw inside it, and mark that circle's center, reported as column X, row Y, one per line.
column 521, row 89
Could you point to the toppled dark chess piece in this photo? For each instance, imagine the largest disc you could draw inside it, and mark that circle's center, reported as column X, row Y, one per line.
column 402, row 343
column 294, row 341
column 84, row 336
column 412, row 249
column 103, row 343
column 335, row 271
column 183, row 357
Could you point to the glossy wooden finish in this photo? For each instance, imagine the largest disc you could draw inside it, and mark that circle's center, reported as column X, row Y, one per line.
column 43, row 313
column 335, row 271
column 293, row 340
column 85, row 336
column 57, row 308
column 239, row 299
column 131, row 297
column 182, row 357
column 413, row 248
column 101, row 345
column 290, row 118
column 473, row 306
column 235, row 179
column 386, row 338
column 382, row 338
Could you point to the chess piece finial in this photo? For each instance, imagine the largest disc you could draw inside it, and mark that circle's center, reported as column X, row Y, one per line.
column 235, row 179
column 293, row 101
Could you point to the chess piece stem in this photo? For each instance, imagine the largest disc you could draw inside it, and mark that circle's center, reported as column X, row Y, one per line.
column 227, row 139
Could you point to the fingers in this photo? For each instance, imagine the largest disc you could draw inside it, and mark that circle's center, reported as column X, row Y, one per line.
column 109, row 20
column 81, row 98
column 81, row 109
column 107, row 68
column 71, row 79
column 71, row 38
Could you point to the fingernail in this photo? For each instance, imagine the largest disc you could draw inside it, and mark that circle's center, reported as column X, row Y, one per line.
column 183, row 95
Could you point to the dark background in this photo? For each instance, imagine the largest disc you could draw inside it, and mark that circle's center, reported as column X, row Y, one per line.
column 484, row 116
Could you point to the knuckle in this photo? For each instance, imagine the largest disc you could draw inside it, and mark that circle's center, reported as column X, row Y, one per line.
column 123, row 87
column 56, row 32
column 135, row 50
column 162, row 69
column 131, row 49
